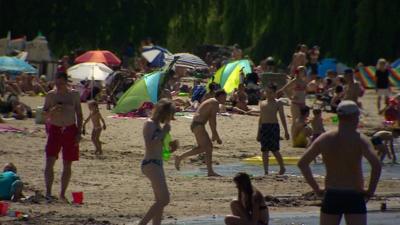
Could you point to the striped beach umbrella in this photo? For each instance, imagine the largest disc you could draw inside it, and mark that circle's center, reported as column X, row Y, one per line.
column 187, row 60
column 228, row 76
column 143, row 90
column 155, row 55
column 366, row 76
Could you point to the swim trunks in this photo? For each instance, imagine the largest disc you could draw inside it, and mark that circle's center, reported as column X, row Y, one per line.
column 376, row 141
column 62, row 138
column 157, row 162
column 339, row 202
column 194, row 124
column 269, row 133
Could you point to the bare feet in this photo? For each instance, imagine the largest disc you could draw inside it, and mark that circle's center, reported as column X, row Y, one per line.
column 63, row 199
column 282, row 171
column 177, row 162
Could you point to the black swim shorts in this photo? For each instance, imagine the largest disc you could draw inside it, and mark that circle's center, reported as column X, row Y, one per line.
column 339, row 202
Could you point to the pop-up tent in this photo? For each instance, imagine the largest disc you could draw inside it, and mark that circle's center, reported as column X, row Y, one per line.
column 366, row 75
column 144, row 90
column 331, row 64
column 228, row 76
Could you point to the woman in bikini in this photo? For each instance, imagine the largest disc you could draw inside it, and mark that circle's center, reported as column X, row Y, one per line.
column 250, row 207
column 152, row 165
column 296, row 90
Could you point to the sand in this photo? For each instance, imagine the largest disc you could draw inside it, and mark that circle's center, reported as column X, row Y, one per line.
column 115, row 191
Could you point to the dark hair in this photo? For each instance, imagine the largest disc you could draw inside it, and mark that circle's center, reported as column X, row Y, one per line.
column 272, row 86
column 219, row 93
column 317, row 111
column 318, row 78
column 304, row 110
column 243, row 183
column 329, row 81
column 339, row 89
column 62, row 75
column 348, row 71
column 213, row 86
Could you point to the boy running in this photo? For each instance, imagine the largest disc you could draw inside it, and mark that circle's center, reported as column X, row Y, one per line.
column 96, row 117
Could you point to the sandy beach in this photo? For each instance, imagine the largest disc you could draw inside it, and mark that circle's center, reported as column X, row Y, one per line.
column 115, row 191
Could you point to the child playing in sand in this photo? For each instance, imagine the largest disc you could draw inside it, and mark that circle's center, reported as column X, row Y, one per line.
column 152, row 164
column 301, row 131
column 317, row 124
column 383, row 141
column 268, row 128
column 96, row 117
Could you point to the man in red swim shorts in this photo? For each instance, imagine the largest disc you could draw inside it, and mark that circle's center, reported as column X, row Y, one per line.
column 63, row 112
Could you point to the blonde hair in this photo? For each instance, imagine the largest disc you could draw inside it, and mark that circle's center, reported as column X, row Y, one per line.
column 381, row 61
column 163, row 109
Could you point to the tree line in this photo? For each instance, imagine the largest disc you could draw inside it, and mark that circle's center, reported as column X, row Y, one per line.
column 349, row 30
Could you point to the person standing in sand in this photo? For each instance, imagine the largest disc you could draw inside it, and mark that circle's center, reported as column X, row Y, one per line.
column 296, row 89
column 63, row 112
column 152, row 164
column 268, row 128
column 96, row 117
column 207, row 112
column 342, row 152
column 250, row 206
column 352, row 89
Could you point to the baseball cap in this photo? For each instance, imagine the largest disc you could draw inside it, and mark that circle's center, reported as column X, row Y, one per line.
column 347, row 107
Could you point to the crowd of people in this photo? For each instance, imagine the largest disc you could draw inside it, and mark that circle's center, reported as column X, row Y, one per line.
column 344, row 186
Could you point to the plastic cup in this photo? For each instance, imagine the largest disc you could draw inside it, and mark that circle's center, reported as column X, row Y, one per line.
column 4, row 208
column 77, row 197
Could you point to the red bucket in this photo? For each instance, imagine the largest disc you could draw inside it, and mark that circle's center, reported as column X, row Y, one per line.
column 77, row 197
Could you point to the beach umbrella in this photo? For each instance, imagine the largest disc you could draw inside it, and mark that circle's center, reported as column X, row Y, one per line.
column 396, row 64
column 155, row 55
column 228, row 76
column 143, row 90
column 366, row 76
column 331, row 64
column 15, row 65
column 89, row 71
column 187, row 60
column 99, row 56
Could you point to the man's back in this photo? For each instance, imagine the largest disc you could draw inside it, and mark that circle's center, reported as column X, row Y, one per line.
column 342, row 155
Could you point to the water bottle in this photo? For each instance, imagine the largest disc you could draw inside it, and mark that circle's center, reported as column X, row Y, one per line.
column 166, row 150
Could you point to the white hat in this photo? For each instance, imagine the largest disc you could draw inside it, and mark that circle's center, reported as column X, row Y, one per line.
column 347, row 107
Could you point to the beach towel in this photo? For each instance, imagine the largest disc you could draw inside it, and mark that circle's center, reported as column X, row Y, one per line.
column 8, row 128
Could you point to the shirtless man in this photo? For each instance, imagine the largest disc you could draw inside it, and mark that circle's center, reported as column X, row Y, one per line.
column 352, row 90
column 207, row 112
column 63, row 111
column 342, row 151
column 299, row 58
column 268, row 128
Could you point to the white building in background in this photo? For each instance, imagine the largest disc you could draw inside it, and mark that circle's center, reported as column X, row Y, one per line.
column 36, row 52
